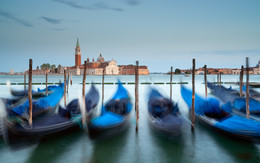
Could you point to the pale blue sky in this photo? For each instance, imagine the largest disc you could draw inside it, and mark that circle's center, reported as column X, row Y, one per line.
column 158, row 33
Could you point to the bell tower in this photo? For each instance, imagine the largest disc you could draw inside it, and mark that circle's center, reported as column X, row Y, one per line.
column 77, row 54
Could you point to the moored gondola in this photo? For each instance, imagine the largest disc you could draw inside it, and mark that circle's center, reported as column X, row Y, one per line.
column 213, row 114
column 41, row 106
column 65, row 120
column 238, row 103
column 35, row 94
column 164, row 115
column 114, row 115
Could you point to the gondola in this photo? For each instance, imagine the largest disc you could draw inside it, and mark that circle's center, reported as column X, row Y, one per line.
column 238, row 103
column 41, row 106
column 50, row 88
column 66, row 119
column 164, row 115
column 213, row 114
column 22, row 93
column 11, row 102
column 35, row 94
column 114, row 115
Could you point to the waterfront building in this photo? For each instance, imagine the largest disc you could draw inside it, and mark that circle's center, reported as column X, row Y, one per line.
column 130, row 70
column 97, row 67
column 236, row 71
column 256, row 69
column 94, row 67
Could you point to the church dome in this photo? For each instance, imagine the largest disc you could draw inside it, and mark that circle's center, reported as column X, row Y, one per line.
column 100, row 58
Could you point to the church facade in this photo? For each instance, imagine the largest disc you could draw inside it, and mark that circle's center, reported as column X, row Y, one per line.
column 94, row 67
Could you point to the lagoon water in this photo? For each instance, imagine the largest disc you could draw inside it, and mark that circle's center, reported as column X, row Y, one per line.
column 204, row 145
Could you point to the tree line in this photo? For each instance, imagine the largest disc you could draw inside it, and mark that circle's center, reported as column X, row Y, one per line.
column 47, row 66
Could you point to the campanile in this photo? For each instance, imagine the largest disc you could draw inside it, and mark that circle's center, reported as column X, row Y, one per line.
column 77, row 54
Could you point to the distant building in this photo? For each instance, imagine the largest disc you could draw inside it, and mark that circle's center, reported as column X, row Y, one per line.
column 236, row 71
column 38, row 72
column 226, row 71
column 130, row 70
column 256, row 69
column 94, row 67
column 11, row 72
column 77, row 55
column 97, row 67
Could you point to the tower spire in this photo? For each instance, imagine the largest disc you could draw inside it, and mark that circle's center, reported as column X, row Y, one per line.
column 77, row 42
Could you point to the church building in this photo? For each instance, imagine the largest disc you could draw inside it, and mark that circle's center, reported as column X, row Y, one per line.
column 94, row 67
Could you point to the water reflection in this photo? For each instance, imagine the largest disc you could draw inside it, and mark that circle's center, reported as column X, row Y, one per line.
column 169, row 147
column 239, row 150
column 49, row 150
column 109, row 149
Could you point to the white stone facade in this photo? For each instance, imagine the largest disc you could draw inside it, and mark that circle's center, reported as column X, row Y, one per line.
column 236, row 71
column 112, row 68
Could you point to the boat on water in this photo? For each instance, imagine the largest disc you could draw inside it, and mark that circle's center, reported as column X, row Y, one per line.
column 41, row 106
column 164, row 114
column 114, row 115
column 35, row 94
column 186, row 75
column 213, row 114
column 238, row 103
column 254, row 84
column 65, row 120
column 50, row 88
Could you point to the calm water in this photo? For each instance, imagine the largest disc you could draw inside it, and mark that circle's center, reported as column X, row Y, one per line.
column 205, row 145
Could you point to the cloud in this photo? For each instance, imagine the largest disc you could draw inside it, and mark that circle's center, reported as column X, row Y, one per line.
column 70, row 3
column 106, row 7
column 133, row 2
column 51, row 20
column 95, row 6
column 18, row 20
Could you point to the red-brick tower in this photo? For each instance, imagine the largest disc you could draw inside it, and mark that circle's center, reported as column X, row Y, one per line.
column 77, row 54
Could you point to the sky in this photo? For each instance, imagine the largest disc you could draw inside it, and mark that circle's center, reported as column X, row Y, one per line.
column 157, row 33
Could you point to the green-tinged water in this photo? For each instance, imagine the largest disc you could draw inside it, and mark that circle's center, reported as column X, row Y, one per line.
column 204, row 145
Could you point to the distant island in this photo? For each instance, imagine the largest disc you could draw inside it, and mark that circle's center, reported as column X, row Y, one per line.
column 111, row 68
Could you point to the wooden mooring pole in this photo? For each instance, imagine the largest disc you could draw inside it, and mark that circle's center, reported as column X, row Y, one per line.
column 205, row 80
column 65, row 83
column 241, row 81
column 171, row 85
column 84, row 78
column 24, row 80
column 46, row 83
column 83, row 95
column 103, row 80
column 136, row 95
column 30, row 92
column 193, row 96
column 68, row 83
column 247, row 89
column 220, row 79
column 70, row 79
